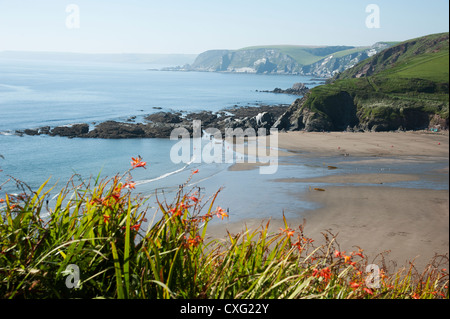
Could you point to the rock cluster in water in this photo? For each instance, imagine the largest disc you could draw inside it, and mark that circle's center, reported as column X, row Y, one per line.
column 161, row 124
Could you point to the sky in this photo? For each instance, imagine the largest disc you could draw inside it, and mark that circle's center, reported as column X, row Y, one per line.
column 194, row 26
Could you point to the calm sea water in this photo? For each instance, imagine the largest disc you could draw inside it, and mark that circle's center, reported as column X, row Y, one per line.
column 35, row 93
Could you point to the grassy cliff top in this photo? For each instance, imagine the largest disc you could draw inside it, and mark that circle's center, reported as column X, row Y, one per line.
column 306, row 55
column 421, row 58
column 410, row 77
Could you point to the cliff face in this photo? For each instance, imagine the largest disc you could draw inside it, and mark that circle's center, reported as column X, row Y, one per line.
column 402, row 87
column 320, row 61
column 336, row 63
column 246, row 61
column 398, row 54
column 312, row 114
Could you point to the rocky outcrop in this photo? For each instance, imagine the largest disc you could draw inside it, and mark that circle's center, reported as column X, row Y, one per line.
column 297, row 89
column 340, row 113
column 161, row 124
column 112, row 129
column 164, row 117
column 70, row 131
column 302, row 116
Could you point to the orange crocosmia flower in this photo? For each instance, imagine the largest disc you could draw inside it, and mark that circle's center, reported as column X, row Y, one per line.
column 354, row 285
column 347, row 258
column 106, row 219
column 194, row 199
column 325, row 273
column 137, row 162
column 299, row 246
column 116, row 195
column 289, row 232
column 130, row 185
column 195, row 172
column 369, row 291
column 337, row 253
column 135, row 227
column 2, row 200
column 192, row 242
column 176, row 212
column 221, row 213
column 206, row 217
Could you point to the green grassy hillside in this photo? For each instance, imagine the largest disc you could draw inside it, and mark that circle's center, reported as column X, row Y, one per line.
column 318, row 61
column 405, row 86
column 305, row 55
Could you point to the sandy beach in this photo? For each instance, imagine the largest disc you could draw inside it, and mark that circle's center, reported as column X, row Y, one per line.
column 369, row 210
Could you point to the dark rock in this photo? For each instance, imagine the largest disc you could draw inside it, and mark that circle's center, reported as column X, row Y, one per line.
column 159, row 130
column 117, row 130
column 31, row 132
column 75, row 130
column 44, row 130
column 164, row 117
column 297, row 89
column 264, row 120
column 208, row 118
column 438, row 122
column 333, row 113
column 162, row 123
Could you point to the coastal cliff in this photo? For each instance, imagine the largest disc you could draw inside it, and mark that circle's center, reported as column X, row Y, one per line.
column 404, row 87
column 322, row 61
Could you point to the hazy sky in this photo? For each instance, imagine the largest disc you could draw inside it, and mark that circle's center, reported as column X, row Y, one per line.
column 193, row 26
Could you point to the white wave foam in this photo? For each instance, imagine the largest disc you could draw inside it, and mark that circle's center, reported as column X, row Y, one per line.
column 167, row 174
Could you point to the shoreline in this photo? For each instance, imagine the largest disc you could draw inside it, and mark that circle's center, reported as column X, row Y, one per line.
column 367, row 209
column 161, row 124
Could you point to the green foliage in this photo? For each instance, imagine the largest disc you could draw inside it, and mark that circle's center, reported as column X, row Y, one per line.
column 305, row 55
column 405, row 55
column 98, row 226
column 404, row 86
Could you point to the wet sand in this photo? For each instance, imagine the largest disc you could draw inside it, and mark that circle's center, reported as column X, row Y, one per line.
column 364, row 209
column 377, row 144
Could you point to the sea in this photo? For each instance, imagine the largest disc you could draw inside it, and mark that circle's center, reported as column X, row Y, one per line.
column 37, row 93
